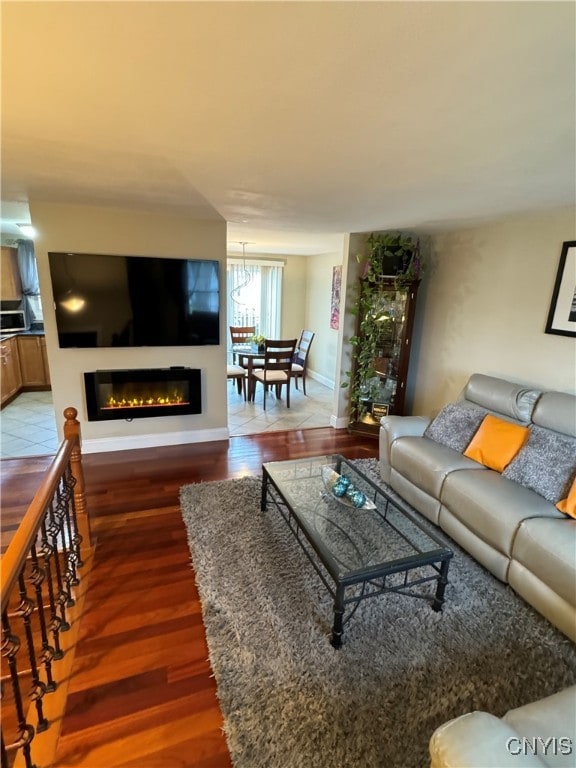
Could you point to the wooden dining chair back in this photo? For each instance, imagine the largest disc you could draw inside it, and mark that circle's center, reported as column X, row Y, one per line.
column 277, row 370
column 241, row 334
column 300, row 364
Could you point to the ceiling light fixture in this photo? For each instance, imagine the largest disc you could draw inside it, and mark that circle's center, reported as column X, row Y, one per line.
column 236, row 291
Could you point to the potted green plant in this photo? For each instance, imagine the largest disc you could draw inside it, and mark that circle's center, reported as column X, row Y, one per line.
column 258, row 340
column 390, row 255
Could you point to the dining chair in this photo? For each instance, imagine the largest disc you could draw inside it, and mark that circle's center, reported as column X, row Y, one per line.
column 241, row 334
column 277, row 370
column 238, row 374
column 300, row 364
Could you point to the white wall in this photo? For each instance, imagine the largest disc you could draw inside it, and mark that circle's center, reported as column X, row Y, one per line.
column 483, row 308
column 91, row 229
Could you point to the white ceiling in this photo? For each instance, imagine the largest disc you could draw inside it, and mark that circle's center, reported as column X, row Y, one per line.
column 293, row 121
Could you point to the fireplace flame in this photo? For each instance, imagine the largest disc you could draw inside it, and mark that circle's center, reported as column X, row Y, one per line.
column 144, row 401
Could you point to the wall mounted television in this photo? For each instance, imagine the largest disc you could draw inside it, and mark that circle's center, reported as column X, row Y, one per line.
column 135, row 301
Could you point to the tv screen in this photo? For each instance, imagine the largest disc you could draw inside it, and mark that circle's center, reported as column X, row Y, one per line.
column 135, row 301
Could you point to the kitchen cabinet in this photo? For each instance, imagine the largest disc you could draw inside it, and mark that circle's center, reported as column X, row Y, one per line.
column 11, row 287
column 10, row 377
column 381, row 353
column 33, row 362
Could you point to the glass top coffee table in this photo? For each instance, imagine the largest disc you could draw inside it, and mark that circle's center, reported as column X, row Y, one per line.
column 357, row 552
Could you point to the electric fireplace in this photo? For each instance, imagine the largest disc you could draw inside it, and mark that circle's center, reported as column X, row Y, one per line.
column 142, row 393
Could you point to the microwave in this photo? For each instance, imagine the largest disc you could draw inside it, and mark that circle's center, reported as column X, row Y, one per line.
column 12, row 320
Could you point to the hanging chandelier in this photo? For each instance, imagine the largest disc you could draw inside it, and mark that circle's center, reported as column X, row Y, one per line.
column 235, row 292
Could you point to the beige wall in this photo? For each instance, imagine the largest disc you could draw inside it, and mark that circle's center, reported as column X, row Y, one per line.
column 353, row 245
column 294, row 290
column 109, row 230
column 483, row 307
column 324, row 349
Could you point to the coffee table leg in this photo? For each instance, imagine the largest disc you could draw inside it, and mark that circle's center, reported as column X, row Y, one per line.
column 264, row 491
column 442, row 581
column 337, row 629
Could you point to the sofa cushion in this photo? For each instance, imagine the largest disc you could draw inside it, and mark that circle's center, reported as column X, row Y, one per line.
column 546, row 464
column 568, row 505
column 557, row 411
column 456, row 425
column 492, row 506
column 547, row 547
column 496, row 442
column 500, row 396
column 427, row 463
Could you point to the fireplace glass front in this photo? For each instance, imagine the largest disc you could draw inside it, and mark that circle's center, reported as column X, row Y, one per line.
column 142, row 393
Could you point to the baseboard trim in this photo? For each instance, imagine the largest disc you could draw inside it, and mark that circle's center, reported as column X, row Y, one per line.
column 322, row 379
column 119, row 443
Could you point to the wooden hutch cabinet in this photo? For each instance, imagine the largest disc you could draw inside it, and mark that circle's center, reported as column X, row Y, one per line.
column 381, row 353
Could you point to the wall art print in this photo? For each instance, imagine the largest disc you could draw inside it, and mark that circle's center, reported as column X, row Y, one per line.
column 335, row 301
column 562, row 314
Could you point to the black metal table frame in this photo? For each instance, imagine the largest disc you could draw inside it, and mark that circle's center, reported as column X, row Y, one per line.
column 370, row 581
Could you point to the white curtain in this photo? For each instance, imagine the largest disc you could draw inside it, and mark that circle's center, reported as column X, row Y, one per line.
column 270, row 302
column 29, row 277
column 254, row 296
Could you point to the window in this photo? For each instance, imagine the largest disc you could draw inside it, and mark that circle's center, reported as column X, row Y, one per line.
column 254, row 295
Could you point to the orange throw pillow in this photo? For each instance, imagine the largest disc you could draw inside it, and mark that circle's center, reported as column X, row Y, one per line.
column 496, row 443
column 568, row 505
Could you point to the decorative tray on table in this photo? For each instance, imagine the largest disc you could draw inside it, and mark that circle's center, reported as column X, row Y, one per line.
column 343, row 491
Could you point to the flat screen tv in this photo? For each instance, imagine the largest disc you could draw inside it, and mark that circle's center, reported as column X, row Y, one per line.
column 135, row 301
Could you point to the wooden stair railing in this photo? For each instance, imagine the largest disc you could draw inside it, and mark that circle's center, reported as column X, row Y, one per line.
column 41, row 596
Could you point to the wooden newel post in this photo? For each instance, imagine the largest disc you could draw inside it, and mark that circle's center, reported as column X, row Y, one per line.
column 72, row 432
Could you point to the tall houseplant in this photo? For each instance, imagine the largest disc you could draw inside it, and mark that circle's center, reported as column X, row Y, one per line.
column 391, row 257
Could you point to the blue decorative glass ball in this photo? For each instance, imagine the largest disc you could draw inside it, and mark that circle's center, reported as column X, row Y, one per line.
column 357, row 497
column 341, row 486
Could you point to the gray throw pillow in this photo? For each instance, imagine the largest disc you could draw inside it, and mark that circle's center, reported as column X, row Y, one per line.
column 456, row 425
column 546, row 464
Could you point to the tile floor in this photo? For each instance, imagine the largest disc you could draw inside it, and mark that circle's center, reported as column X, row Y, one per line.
column 305, row 412
column 28, row 424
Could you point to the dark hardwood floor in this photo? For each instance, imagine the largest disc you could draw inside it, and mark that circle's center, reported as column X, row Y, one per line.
column 142, row 693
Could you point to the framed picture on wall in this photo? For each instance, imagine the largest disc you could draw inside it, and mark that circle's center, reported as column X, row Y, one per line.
column 335, row 297
column 562, row 314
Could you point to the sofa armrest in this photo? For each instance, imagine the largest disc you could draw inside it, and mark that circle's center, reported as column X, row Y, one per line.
column 551, row 720
column 479, row 740
column 393, row 427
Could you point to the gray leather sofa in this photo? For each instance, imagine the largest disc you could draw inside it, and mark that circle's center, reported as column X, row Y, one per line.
column 542, row 733
column 511, row 529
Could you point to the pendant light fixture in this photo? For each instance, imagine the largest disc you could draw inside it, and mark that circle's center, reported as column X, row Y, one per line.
column 235, row 292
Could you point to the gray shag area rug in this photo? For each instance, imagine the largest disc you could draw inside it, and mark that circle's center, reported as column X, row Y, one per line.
column 290, row 700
